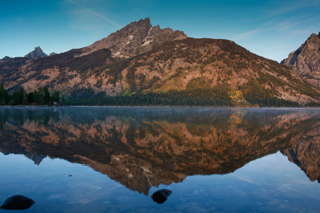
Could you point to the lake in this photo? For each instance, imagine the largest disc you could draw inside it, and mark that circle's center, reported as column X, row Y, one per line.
column 113, row 159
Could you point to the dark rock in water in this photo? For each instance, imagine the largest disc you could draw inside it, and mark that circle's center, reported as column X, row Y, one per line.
column 161, row 195
column 17, row 202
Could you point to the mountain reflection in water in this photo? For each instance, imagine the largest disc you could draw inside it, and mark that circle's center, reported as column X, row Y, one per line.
column 145, row 147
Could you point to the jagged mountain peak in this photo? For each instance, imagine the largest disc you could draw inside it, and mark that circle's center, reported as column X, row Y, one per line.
column 306, row 60
column 314, row 38
column 136, row 38
column 37, row 52
column 141, row 22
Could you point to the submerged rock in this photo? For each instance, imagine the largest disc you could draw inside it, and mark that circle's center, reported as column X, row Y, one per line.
column 161, row 195
column 17, row 202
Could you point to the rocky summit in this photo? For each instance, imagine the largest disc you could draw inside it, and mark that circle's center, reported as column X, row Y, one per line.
column 134, row 39
column 306, row 60
column 37, row 52
column 142, row 64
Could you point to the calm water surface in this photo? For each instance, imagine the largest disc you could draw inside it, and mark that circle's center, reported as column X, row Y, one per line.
column 112, row 159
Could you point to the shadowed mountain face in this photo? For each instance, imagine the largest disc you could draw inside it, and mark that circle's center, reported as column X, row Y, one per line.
column 144, row 147
column 306, row 60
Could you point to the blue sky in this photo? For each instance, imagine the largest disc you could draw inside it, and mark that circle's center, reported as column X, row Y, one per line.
column 270, row 28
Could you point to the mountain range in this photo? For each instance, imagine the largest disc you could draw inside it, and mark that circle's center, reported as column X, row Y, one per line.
column 144, row 64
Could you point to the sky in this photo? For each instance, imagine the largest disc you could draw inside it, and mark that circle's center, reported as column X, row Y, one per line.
column 270, row 28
